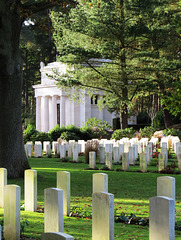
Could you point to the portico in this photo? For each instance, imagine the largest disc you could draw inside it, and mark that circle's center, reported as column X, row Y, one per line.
column 54, row 106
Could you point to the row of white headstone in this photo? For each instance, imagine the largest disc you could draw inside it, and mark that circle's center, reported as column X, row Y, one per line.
column 57, row 204
column 116, row 147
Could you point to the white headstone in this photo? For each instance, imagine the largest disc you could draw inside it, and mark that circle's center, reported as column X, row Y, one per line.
column 12, row 194
column 161, row 163
column 63, row 182
column 102, row 154
column 92, row 160
column 143, row 162
column 53, row 216
column 100, row 182
column 30, row 190
column 38, row 149
column 102, row 216
column 3, row 182
column 162, row 218
column 75, row 152
column 166, row 186
column 116, row 155
column 125, row 161
column 109, row 160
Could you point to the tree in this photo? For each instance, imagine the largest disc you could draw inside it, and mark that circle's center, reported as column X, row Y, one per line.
column 99, row 40
column 160, row 53
column 139, row 37
column 12, row 15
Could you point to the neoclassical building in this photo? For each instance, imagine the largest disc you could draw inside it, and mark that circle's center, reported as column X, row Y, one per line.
column 54, row 106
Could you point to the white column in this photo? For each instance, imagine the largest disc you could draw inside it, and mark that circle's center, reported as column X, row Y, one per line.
column 54, row 111
column 38, row 113
column 50, row 112
column 62, row 110
column 85, row 110
column 101, row 112
column 44, row 114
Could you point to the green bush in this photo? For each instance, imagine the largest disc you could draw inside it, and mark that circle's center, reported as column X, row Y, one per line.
column 98, row 126
column 56, row 132
column 69, row 135
column 41, row 136
column 147, row 132
column 30, row 133
column 172, row 132
column 121, row 133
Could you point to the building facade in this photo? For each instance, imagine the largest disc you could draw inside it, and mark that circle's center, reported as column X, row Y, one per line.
column 55, row 106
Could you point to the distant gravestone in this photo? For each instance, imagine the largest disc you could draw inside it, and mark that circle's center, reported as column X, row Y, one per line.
column 100, row 182
column 30, row 190
column 56, row 236
column 48, row 150
column 165, row 152
column 63, row 182
column 92, row 160
column 161, row 162
column 162, row 218
column 166, row 186
column 38, row 150
column 102, row 216
column 143, row 162
column 131, row 155
column 116, row 155
column 75, row 152
column 3, row 182
column 125, row 161
column 108, row 147
column 53, row 216
column 12, row 194
column 62, row 151
column 109, row 160
column 121, row 150
column 45, row 143
column 101, row 154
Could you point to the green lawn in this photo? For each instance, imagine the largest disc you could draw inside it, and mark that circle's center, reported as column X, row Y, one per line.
column 131, row 190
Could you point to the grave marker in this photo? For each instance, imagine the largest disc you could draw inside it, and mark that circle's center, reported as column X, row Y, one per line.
column 92, row 160
column 30, row 190
column 12, row 194
column 53, row 216
column 3, row 182
column 102, row 216
column 162, row 218
column 166, row 186
column 63, row 182
column 100, row 182
column 125, row 162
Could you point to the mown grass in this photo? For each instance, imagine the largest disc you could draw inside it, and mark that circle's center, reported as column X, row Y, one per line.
column 131, row 190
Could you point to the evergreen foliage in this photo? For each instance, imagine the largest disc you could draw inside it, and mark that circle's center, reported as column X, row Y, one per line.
column 127, row 48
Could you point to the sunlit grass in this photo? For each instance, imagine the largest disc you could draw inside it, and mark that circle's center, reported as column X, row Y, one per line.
column 131, row 190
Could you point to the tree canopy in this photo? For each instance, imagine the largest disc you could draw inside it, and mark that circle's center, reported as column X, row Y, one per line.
column 137, row 41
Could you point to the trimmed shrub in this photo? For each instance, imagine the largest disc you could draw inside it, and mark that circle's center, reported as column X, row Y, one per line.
column 56, row 132
column 30, row 133
column 121, row 133
column 172, row 132
column 69, row 135
column 98, row 126
column 147, row 132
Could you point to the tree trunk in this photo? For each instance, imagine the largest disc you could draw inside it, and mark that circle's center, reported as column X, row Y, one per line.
column 167, row 118
column 124, row 118
column 12, row 154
